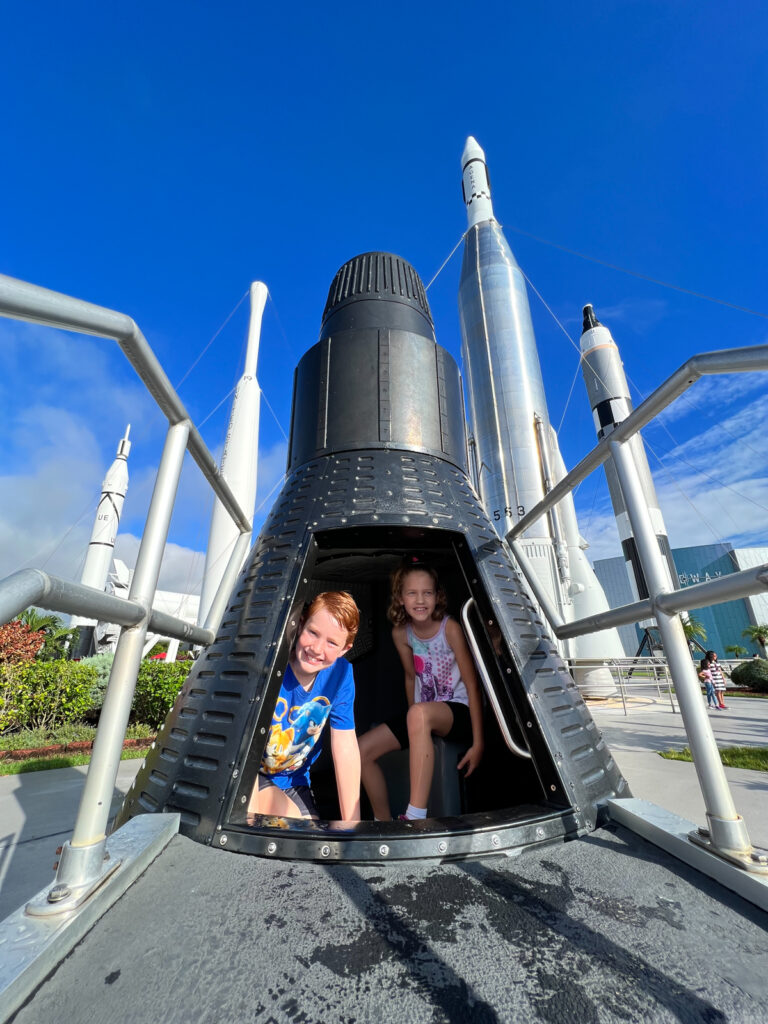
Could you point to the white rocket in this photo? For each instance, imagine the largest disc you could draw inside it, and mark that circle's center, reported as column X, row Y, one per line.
column 240, row 458
column 102, row 544
column 610, row 402
column 516, row 453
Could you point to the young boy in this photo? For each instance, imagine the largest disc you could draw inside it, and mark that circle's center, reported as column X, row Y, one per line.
column 318, row 688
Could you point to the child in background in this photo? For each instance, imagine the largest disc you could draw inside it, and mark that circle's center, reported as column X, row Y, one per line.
column 318, row 688
column 706, row 676
column 441, row 687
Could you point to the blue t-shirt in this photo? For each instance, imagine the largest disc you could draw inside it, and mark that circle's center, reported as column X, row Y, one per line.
column 295, row 736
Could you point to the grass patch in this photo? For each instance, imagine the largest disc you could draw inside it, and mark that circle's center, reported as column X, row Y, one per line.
column 44, row 764
column 754, row 758
column 73, row 732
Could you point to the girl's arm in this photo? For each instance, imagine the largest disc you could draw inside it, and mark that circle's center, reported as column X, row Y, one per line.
column 406, row 656
column 346, row 763
column 457, row 643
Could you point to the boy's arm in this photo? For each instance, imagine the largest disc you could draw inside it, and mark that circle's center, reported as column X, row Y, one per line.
column 457, row 643
column 346, row 763
column 406, row 656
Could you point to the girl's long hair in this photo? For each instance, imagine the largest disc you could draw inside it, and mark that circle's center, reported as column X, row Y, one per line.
column 396, row 612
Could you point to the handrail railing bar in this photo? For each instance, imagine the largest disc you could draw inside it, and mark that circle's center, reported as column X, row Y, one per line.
column 737, row 360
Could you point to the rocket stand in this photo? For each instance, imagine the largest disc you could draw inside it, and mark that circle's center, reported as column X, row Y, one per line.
column 727, row 835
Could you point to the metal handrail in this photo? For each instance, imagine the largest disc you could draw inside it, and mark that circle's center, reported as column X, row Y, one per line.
column 487, row 684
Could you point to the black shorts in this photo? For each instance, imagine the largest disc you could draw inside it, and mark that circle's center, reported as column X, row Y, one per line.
column 301, row 796
column 460, row 732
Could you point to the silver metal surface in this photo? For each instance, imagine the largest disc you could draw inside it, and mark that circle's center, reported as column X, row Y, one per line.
column 487, row 684
column 35, row 587
column 714, row 786
column 93, row 813
column 31, row 947
column 219, row 602
column 503, row 377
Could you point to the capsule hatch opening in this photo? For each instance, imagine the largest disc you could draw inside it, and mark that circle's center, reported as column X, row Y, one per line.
column 509, row 802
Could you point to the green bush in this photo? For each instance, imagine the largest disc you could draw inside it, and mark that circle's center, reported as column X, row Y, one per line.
column 752, row 674
column 157, row 687
column 102, row 663
column 43, row 694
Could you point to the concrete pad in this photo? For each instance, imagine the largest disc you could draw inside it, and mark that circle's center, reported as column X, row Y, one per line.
column 636, row 739
column 37, row 812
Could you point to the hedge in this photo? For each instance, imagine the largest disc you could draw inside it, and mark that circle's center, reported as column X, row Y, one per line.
column 752, row 674
column 42, row 694
column 46, row 694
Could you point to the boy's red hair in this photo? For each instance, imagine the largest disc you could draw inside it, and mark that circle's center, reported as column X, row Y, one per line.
column 341, row 606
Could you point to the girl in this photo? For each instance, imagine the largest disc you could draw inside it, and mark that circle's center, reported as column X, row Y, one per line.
column 441, row 687
column 318, row 689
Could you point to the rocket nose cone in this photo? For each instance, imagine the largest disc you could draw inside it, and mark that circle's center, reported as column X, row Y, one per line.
column 472, row 151
column 590, row 320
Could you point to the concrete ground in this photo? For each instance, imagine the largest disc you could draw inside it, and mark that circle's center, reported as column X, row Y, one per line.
column 650, row 726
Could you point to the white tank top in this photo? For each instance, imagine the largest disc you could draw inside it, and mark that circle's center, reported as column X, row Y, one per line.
column 437, row 675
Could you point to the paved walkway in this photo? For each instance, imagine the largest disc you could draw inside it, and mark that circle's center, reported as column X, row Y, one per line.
column 650, row 726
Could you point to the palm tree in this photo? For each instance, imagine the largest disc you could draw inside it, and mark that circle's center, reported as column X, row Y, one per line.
column 736, row 650
column 694, row 631
column 58, row 637
column 758, row 635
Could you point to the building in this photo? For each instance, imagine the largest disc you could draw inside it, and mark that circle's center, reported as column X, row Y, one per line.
column 723, row 623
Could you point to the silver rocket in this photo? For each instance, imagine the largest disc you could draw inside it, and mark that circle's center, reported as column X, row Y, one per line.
column 610, row 402
column 240, row 458
column 516, row 454
column 102, row 544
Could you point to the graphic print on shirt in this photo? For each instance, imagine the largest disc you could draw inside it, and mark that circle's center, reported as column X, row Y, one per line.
column 288, row 747
column 433, row 670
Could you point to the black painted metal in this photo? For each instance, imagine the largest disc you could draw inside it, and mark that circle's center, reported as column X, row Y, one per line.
column 377, row 467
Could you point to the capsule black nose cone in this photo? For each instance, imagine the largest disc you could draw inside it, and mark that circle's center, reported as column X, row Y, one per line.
column 377, row 289
column 590, row 320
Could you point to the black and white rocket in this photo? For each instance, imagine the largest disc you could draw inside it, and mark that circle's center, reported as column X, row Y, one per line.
column 610, row 403
column 517, row 457
column 101, row 547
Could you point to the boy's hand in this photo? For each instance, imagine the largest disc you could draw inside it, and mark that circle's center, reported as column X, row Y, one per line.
column 471, row 759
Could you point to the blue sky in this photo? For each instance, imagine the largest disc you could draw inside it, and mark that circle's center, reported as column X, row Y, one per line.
column 159, row 157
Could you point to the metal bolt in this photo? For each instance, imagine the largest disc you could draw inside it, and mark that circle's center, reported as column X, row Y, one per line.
column 263, row 731
column 529, row 724
column 383, row 850
column 553, row 788
column 325, row 851
column 235, row 773
column 539, row 833
column 495, row 840
column 442, row 846
column 59, row 893
column 271, row 847
column 278, row 673
column 58, row 850
column 242, row 799
column 509, row 671
column 759, row 858
column 223, row 841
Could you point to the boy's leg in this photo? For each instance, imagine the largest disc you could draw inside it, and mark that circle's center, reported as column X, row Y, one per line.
column 373, row 745
column 423, row 720
column 267, row 798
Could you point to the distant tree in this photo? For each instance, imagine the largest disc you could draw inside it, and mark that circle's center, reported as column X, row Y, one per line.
column 758, row 635
column 736, row 650
column 18, row 642
column 694, row 630
column 57, row 637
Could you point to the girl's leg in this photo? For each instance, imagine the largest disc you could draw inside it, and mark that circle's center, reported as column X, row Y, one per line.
column 423, row 720
column 373, row 745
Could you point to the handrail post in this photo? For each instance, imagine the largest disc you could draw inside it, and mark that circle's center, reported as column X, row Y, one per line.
column 729, row 836
column 83, row 866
